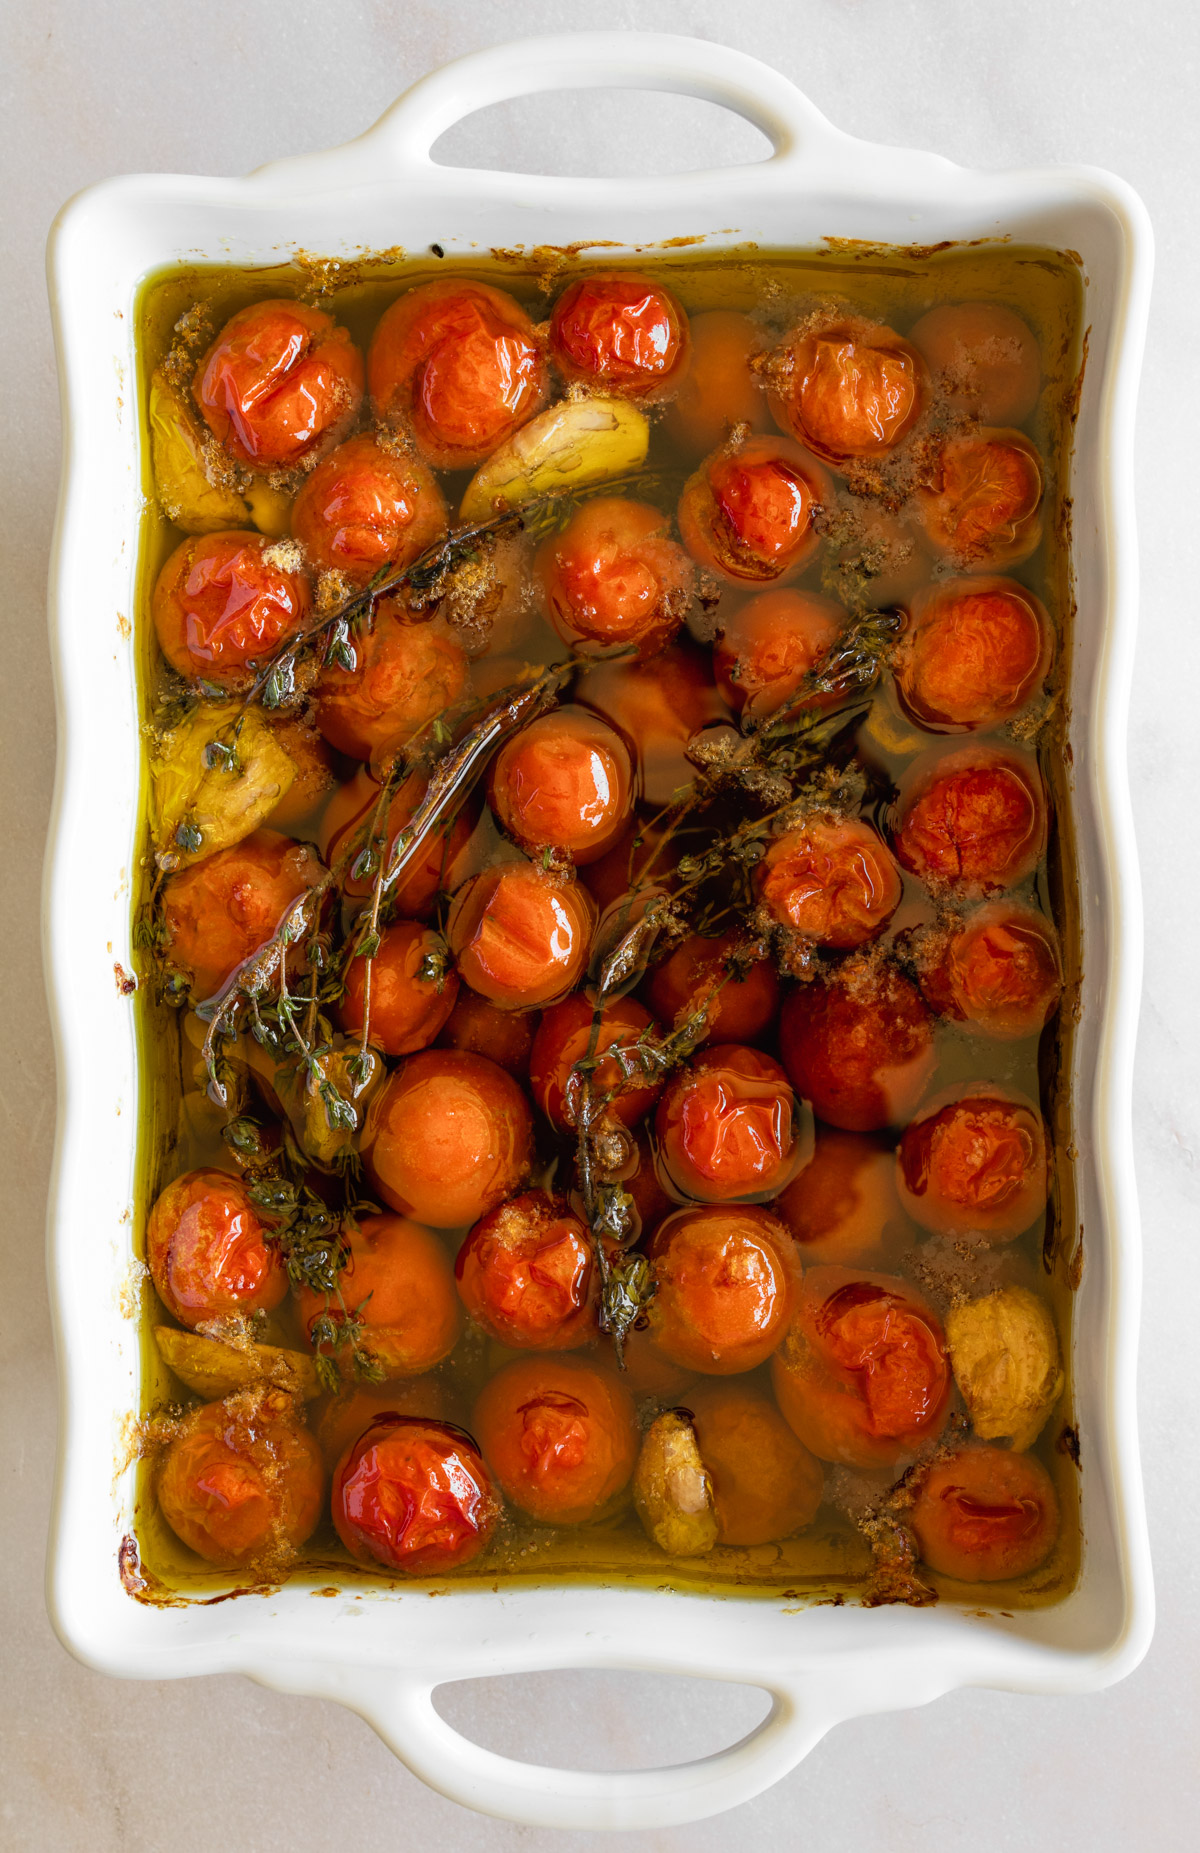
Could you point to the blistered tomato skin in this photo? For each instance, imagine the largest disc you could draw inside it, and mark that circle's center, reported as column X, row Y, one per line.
column 768, row 645
column 850, row 391
column 741, row 1002
column 280, row 383
column 460, row 365
column 983, row 511
column 614, row 579
column 862, row 1376
column 766, row 1484
column 728, row 1128
column 972, row 822
column 748, row 512
column 726, row 1287
column 560, row 1436
column 408, row 670
column 983, row 359
column 999, row 971
column 399, row 1283
column 986, row 1515
column 859, row 1046
column 525, row 1274
column 366, row 507
column 224, row 603
column 833, row 880
column 843, row 1207
column 974, row 653
column 565, row 1036
column 218, row 912
column 520, row 935
column 448, row 1137
column 975, row 1164
column 243, row 1482
column 720, row 389
column 208, row 1252
column 658, row 705
column 437, row 867
column 565, row 782
column 415, row 1496
column 621, row 333
column 406, row 1009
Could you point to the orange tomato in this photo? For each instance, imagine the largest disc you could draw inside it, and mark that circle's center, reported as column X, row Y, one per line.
column 720, row 390
column 398, row 1283
column 568, row 1032
column 727, row 1127
column 973, row 821
column 986, row 1515
column 748, row 512
column 408, row 670
column 407, row 1010
column 858, row 1045
column 984, row 359
column 998, row 972
column 737, row 1009
column 367, row 507
column 560, row 1435
column 843, row 1206
column 726, row 1284
column 766, row 1484
column 280, row 383
column 621, row 333
column 224, row 603
column 242, row 1481
column 983, row 509
column 975, row 1164
column 217, row 913
column 439, row 865
column 482, row 1028
column 208, row 1251
column 448, row 1137
column 658, row 705
column 525, row 1274
column 613, row 578
column 974, row 652
column 415, row 1496
column 833, row 879
column 848, row 391
column 565, row 782
column 767, row 646
column 520, row 934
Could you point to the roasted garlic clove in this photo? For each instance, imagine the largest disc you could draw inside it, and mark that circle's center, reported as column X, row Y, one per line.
column 572, row 445
column 198, row 808
column 1005, row 1354
column 672, row 1489
column 217, row 1367
column 177, row 448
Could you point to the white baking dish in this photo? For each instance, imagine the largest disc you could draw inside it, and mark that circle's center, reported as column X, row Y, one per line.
column 384, row 1653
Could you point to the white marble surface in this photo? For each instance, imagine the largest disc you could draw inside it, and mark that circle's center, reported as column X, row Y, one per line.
column 93, row 88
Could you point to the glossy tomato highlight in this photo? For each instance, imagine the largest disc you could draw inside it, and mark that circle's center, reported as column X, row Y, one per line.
column 726, row 1285
column 366, row 507
column 833, row 879
column 748, row 512
column 209, row 1253
column 415, row 1496
column 974, row 653
column 728, row 1127
column 525, row 1274
column 224, row 603
column 998, row 971
column 974, row 1164
column 973, row 821
column 281, row 382
column 621, row 333
column 613, row 578
column 448, row 1137
column 986, row 1515
column 847, row 391
column 521, row 934
column 565, row 782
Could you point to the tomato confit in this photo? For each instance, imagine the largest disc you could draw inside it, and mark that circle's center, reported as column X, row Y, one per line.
column 606, row 935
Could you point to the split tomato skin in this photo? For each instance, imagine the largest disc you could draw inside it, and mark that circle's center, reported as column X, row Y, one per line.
column 982, row 512
column 766, row 647
column 613, row 579
column 985, row 1515
column 832, row 879
column 415, row 1496
column 998, row 971
column 566, row 783
column 281, row 382
column 972, row 822
column 748, row 513
column 208, row 1251
column 974, row 1164
column 243, row 1482
column 448, row 1137
column 526, row 1276
column 728, row 1127
column 621, row 333
column 521, row 935
column 849, row 391
column 560, row 1434
column 974, row 654
column 367, row 507
column 223, row 605
column 727, row 1277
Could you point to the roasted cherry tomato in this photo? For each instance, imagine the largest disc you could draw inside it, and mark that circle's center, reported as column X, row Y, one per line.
column 613, row 579
column 998, row 971
column 621, row 333
column 974, row 653
column 218, row 912
column 448, row 1137
column 482, row 1028
column 767, row 646
column 438, row 866
column 983, row 358
column 408, row 670
column 399, row 1286
column 407, row 1009
column 208, row 1253
column 369, row 505
column 658, row 705
column 224, row 603
column 461, row 365
column 565, row 782
column 415, row 1496
column 280, row 383
column 728, row 1127
column 843, row 1206
column 739, row 995
column 720, row 390
column 766, row 1484
column 748, row 512
column 242, row 1482
column 572, row 1030
column 520, row 934
column 862, row 1375
column 983, row 510
column 975, row 1164
column 985, row 1515
column 525, row 1274
column 973, row 821
column 560, row 1436
column 832, row 879
column 726, row 1285
column 851, row 390
column 858, row 1045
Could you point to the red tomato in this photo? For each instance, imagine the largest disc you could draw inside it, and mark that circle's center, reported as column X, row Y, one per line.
column 843, row 1206
column 565, row 782
column 727, row 1278
column 767, row 646
column 224, row 603
column 720, row 390
column 461, row 365
column 852, row 390
column 832, row 879
column 766, row 1484
column 727, row 1127
column 862, row 1376
column 973, row 821
column 748, row 512
column 439, row 866
column 560, row 1435
column 482, row 1028
column 985, row 1515
column 208, row 1252
column 657, row 705
column 858, row 1045
column 984, row 360
column 998, row 971
column 567, row 1034
column 409, row 669
column 621, row 333
column 520, row 934
column 415, row 1496
column 280, row 383
column 367, row 506
column 738, row 1009
column 525, row 1274
column 398, row 1283
column 974, row 1164
column 974, row 652
column 613, row 578
column 219, row 912
column 407, row 1011
column 242, row 1482
column 448, row 1137
column 983, row 510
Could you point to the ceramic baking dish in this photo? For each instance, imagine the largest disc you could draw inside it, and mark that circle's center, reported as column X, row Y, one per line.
column 821, row 1664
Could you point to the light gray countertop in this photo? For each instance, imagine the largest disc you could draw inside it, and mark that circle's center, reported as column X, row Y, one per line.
column 91, row 90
